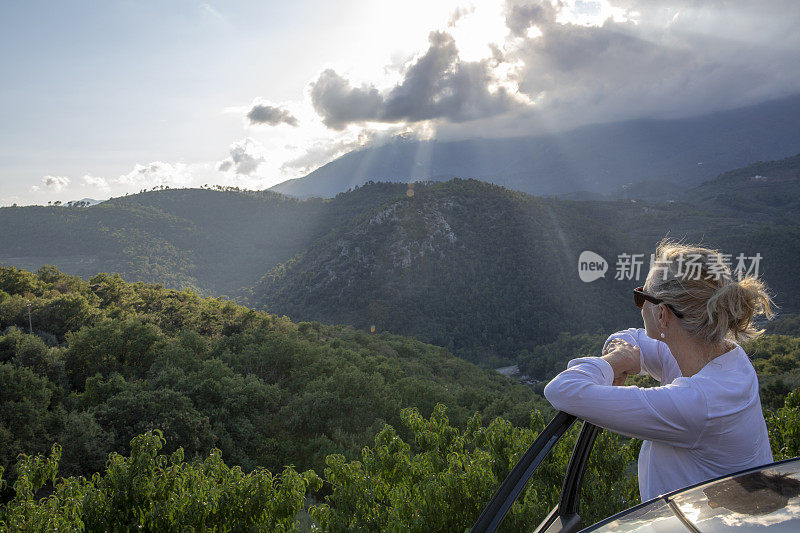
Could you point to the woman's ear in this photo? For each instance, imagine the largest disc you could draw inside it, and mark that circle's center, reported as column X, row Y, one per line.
column 663, row 315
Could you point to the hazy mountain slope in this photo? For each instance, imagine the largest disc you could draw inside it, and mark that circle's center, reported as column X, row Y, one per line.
column 599, row 158
column 214, row 241
column 97, row 239
column 731, row 230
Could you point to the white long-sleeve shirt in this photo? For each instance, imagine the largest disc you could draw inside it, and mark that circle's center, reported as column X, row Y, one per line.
column 694, row 428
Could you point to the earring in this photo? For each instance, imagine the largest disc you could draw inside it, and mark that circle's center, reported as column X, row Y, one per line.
column 662, row 332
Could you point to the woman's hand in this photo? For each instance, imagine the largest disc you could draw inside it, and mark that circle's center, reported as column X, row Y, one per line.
column 623, row 358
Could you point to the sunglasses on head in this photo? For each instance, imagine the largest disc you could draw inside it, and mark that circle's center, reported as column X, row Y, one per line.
column 639, row 297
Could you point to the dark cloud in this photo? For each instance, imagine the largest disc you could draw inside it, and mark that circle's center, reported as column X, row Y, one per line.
column 263, row 113
column 244, row 159
column 438, row 85
column 670, row 58
column 426, row 83
column 497, row 53
column 521, row 17
column 652, row 58
column 339, row 103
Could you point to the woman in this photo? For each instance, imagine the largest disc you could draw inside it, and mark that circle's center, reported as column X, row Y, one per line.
column 705, row 420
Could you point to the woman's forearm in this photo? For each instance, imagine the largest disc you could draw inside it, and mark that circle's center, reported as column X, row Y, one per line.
column 674, row 413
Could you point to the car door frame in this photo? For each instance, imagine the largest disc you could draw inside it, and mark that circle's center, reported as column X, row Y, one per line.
column 563, row 518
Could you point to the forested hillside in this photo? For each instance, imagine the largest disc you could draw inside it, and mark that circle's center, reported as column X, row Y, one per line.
column 491, row 273
column 137, row 406
column 213, row 241
column 109, row 360
column 475, row 267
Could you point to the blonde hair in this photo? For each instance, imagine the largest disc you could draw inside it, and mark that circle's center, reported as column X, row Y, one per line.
column 698, row 283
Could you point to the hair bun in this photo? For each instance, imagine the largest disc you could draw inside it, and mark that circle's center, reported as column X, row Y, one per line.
column 733, row 305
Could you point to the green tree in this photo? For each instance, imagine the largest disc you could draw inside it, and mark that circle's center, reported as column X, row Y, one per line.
column 29, row 420
column 784, row 428
column 125, row 346
column 156, row 492
column 443, row 480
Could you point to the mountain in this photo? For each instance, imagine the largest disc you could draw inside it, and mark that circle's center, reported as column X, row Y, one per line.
column 485, row 271
column 215, row 242
column 600, row 158
column 491, row 273
column 765, row 190
column 465, row 264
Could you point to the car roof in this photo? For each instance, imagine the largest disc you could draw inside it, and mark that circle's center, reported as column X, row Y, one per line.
column 750, row 500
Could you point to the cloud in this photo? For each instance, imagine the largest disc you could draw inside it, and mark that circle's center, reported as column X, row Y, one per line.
column 92, row 181
column 157, row 173
column 339, row 103
column 458, row 13
column 520, row 17
column 323, row 151
column 438, row 85
column 54, row 183
column 10, row 200
column 262, row 112
column 563, row 64
column 246, row 156
column 318, row 154
column 650, row 59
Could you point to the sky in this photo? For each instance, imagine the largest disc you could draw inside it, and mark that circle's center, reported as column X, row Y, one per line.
column 100, row 99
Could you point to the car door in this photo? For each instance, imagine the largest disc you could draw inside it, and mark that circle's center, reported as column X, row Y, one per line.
column 564, row 517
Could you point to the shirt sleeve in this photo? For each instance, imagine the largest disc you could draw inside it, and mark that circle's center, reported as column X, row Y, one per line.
column 656, row 359
column 674, row 413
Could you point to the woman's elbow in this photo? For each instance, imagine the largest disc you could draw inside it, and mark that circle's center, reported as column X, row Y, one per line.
column 554, row 394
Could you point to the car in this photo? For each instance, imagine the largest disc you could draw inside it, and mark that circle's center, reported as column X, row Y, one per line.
column 748, row 500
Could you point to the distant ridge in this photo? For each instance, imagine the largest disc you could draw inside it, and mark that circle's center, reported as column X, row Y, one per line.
column 767, row 190
column 85, row 202
column 598, row 159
